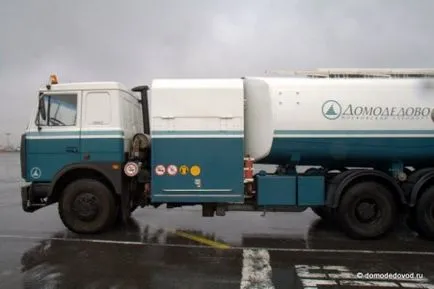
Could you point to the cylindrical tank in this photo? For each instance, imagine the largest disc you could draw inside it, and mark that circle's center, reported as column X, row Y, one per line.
column 337, row 122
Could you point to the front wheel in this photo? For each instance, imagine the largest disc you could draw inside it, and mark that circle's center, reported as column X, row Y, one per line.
column 133, row 208
column 367, row 211
column 423, row 214
column 87, row 206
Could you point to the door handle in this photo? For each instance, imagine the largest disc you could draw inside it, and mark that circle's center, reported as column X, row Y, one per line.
column 71, row 149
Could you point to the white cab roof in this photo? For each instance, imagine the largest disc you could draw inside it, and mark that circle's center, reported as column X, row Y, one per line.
column 86, row 86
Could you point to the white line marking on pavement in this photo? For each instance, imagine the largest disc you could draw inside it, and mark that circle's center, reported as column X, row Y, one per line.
column 313, row 283
column 256, row 271
column 297, row 250
column 8, row 205
column 368, row 283
column 416, row 285
column 313, row 276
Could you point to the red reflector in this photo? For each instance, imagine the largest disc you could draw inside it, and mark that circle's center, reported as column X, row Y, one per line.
column 248, row 169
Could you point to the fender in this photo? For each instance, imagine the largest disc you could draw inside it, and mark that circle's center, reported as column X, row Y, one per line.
column 333, row 186
column 419, row 186
column 114, row 176
column 342, row 181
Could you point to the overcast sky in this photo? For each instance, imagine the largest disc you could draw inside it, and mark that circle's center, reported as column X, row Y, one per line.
column 135, row 41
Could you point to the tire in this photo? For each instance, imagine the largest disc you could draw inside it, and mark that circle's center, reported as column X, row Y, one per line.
column 408, row 172
column 382, row 199
column 424, row 214
column 324, row 213
column 119, row 214
column 133, row 208
column 105, row 204
column 312, row 171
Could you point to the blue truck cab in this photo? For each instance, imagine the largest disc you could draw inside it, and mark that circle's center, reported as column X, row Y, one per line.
column 80, row 130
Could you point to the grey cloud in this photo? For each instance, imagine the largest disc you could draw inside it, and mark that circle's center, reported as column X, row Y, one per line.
column 135, row 41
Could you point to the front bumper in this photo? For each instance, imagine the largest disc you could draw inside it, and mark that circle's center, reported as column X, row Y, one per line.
column 33, row 197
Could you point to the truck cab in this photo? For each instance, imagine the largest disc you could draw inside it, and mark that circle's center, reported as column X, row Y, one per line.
column 77, row 128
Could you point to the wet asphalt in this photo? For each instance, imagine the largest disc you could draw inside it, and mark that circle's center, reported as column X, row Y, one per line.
column 178, row 248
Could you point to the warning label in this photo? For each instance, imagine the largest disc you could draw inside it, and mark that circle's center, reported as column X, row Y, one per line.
column 183, row 170
column 172, row 170
column 160, row 170
column 195, row 171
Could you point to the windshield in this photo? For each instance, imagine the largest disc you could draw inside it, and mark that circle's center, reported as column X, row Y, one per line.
column 61, row 110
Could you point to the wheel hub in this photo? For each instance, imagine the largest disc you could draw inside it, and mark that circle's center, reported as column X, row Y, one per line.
column 367, row 211
column 85, row 206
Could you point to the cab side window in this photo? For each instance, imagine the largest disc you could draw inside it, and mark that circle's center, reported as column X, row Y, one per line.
column 61, row 110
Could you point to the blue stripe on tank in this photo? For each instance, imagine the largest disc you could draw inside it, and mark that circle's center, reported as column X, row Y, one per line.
column 230, row 132
column 346, row 132
column 280, row 132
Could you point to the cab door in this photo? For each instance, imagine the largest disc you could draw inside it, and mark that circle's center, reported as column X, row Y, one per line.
column 53, row 140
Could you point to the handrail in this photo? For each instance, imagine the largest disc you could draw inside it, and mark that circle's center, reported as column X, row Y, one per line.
column 360, row 72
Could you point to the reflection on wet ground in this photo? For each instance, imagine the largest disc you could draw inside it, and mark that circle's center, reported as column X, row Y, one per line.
column 139, row 256
column 320, row 236
column 133, row 262
column 92, row 265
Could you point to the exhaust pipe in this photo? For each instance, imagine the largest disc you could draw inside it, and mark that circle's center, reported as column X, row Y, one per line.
column 145, row 106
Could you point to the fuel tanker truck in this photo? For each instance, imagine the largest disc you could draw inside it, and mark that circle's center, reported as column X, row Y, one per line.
column 100, row 150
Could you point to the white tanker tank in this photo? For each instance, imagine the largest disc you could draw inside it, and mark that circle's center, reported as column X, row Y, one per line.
column 337, row 122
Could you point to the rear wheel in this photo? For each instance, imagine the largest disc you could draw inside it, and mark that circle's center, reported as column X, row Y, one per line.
column 87, row 206
column 325, row 213
column 423, row 214
column 410, row 222
column 367, row 210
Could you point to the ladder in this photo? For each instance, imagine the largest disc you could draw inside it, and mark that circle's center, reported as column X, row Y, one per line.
column 360, row 73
